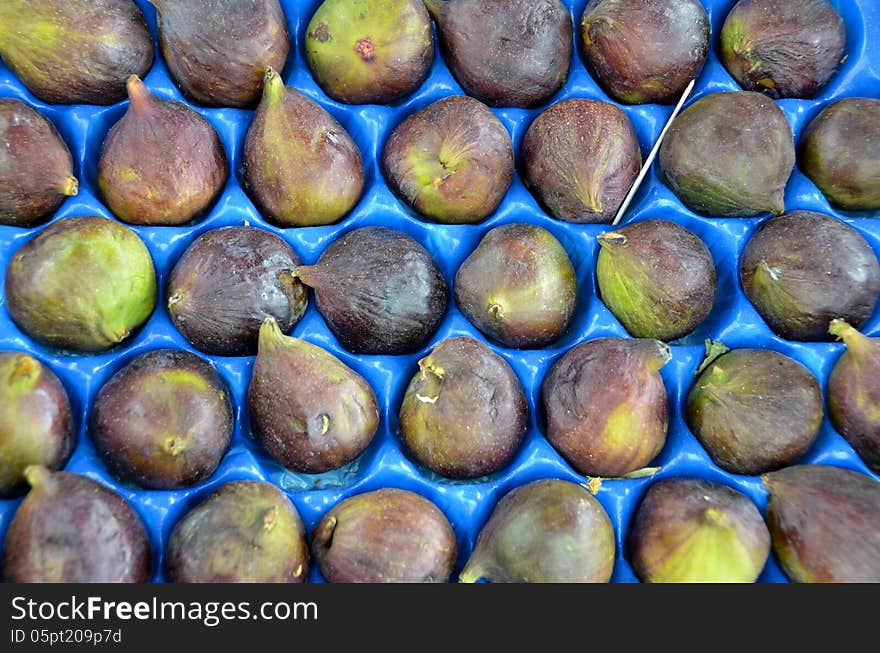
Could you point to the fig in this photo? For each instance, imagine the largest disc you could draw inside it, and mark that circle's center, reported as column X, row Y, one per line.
column 452, row 162
column 785, row 50
column 464, row 413
column 803, row 269
column 547, row 531
column 162, row 163
column 217, row 50
column 606, row 407
column 754, row 410
column 840, row 153
column 729, row 155
column 370, row 51
column 71, row 529
column 227, row 282
column 244, row 532
column 644, row 51
column 825, row 524
column 301, row 168
column 379, row 290
column 518, row 286
column 75, row 51
column 385, row 536
column 310, row 411
column 688, row 530
column 36, row 424
column 81, row 284
column 657, row 278
column 36, row 169
column 580, row 158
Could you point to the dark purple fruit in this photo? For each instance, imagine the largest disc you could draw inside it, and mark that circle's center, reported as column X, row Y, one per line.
column 227, row 282
column 380, row 291
column 804, row 269
column 511, row 53
column 464, row 413
column 71, row 529
column 385, row 536
column 645, row 51
column 244, row 532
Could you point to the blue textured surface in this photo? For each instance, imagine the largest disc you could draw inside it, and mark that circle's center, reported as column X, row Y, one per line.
column 733, row 320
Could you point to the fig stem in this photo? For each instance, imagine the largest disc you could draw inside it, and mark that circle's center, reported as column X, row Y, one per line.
column 270, row 334
column 852, row 337
column 70, row 187
column 139, row 95
column 38, row 476
column 469, row 574
column 437, row 9
column 273, row 86
column 612, row 239
column 714, row 350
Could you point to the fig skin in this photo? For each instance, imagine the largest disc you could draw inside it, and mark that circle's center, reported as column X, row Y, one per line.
column 217, row 50
column 506, row 53
column 369, row 52
column 36, row 424
column 657, row 278
column 547, row 531
column 162, row 163
column 71, row 529
column 580, row 158
column 164, row 421
column 644, row 51
column 379, row 291
column 696, row 531
column 36, row 168
column 227, row 282
column 729, row 155
column 518, row 286
column 451, row 162
column 803, row 269
column 81, row 284
column 216, row 541
column 75, row 51
column 385, row 536
column 301, row 168
column 825, row 524
column 839, row 153
column 464, row 413
column 310, row 411
column 755, row 410
column 783, row 49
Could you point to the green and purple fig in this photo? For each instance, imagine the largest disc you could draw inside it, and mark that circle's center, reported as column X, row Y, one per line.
column 688, row 530
column 580, row 158
column 244, row 532
column 218, row 50
column 729, row 155
column 518, row 286
column 840, row 153
column 379, row 291
column 162, row 163
column 754, row 410
column 301, row 168
column 82, row 284
column 506, row 53
column 644, row 51
column 825, row 524
column 369, row 51
column 163, row 421
column 75, row 51
column 36, row 424
column 36, row 169
column 452, row 162
column 657, row 278
column 547, row 531
column 71, row 529
column 385, row 536
column 310, row 411
column 785, row 49
column 464, row 413
column 227, row 282
column 803, row 269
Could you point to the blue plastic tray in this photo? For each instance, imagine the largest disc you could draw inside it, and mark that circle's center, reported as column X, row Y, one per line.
column 733, row 320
